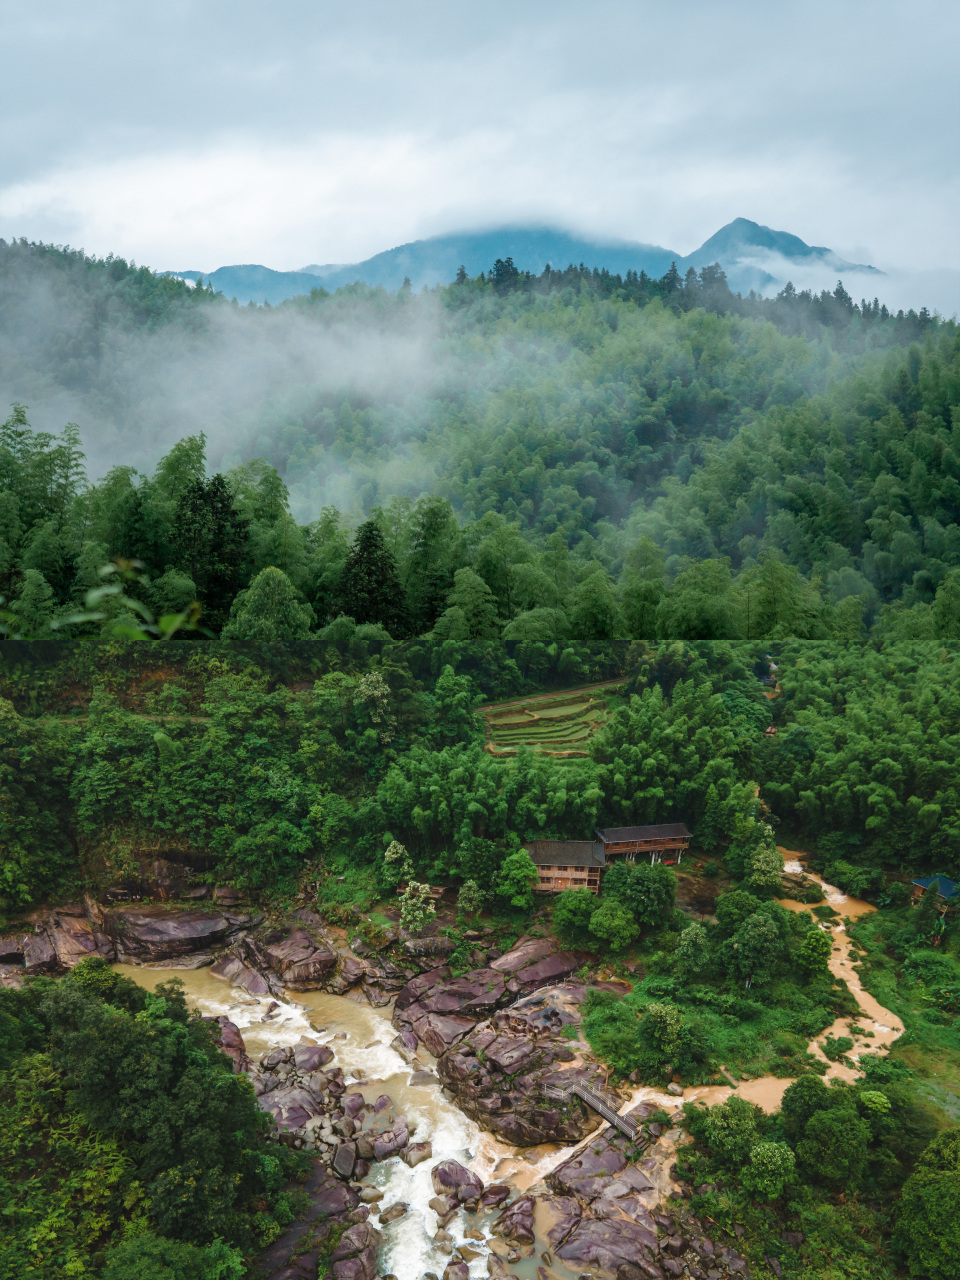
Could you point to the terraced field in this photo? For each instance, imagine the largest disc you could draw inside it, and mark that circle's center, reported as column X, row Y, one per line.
column 552, row 724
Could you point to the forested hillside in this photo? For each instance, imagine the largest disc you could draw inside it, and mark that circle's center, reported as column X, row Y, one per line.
column 733, row 521
column 596, row 459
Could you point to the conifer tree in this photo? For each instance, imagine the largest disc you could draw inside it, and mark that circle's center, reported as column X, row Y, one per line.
column 369, row 589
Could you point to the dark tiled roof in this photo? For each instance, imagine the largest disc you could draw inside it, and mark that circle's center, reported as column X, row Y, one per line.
column 566, row 853
column 946, row 888
column 666, row 831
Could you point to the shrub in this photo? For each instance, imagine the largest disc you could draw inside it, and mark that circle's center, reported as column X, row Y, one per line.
column 771, row 1167
column 731, row 1130
column 572, row 910
column 814, row 954
column 928, row 1216
column 517, row 879
column 834, row 1147
column 614, row 924
column 648, row 893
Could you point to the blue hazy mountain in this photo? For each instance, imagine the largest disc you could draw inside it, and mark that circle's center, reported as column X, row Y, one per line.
column 753, row 256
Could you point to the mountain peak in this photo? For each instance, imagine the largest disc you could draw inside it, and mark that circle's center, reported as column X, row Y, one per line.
column 753, row 256
column 742, row 240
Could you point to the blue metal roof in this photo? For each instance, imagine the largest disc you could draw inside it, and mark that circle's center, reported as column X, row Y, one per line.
column 945, row 888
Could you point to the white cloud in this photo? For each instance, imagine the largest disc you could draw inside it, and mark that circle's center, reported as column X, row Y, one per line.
column 190, row 134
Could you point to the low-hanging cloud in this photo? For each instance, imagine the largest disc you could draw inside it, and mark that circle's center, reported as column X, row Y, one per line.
column 200, row 134
column 242, row 376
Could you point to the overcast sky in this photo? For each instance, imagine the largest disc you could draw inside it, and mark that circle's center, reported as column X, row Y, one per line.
column 190, row 134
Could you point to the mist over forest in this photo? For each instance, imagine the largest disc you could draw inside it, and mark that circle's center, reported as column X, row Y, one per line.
column 722, row 433
column 343, row 644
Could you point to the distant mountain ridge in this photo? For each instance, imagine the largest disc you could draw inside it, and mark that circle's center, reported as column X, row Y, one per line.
column 753, row 256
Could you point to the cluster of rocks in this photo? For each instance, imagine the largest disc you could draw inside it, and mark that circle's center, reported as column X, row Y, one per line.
column 441, row 1009
column 301, row 954
column 316, row 1110
column 152, row 934
column 334, row 1230
column 606, row 1212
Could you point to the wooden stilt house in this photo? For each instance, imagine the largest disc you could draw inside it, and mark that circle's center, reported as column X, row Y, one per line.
column 664, row 843
column 567, row 864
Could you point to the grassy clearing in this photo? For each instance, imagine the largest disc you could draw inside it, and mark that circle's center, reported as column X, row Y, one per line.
column 558, row 725
column 921, row 986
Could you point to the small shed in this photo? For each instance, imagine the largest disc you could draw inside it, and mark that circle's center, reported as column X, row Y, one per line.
column 567, row 864
column 668, row 841
column 948, row 891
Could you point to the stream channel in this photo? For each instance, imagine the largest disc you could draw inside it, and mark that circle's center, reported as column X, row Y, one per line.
column 360, row 1037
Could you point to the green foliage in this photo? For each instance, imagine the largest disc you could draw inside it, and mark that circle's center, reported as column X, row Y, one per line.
column 369, row 588
column 814, row 954
column 150, row 1257
column 269, row 613
column 572, row 911
column 692, row 953
column 731, row 1130
column 867, row 746
column 517, row 879
column 834, row 1147
column 614, row 924
column 469, row 900
column 647, row 893
column 123, row 1130
column 416, row 907
column 35, row 852
column 753, row 952
column 771, row 1167
column 928, row 1216
column 733, row 909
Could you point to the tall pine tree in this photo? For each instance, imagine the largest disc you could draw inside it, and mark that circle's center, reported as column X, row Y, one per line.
column 369, row 589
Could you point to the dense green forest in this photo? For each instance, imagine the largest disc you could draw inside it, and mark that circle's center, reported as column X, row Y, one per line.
column 740, row 515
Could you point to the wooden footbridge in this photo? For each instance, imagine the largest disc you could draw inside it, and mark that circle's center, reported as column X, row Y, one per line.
column 597, row 1104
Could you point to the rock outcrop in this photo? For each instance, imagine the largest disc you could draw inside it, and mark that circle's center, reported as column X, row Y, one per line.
column 147, row 934
column 332, row 1207
column 142, row 934
column 516, row 1085
column 441, row 1010
column 606, row 1214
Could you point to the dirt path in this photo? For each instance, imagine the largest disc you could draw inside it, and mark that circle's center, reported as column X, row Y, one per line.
column 885, row 1027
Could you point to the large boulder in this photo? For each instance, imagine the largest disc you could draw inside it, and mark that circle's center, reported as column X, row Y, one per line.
column 417, row 988
column 355, row 1257
column 449, row 1177
column 230, row 1041
column 536, row 962
column 517, row 1086
column 608, row 1243
column 350, row 972
column 476, row 994
column 146, row 934
column 291, row 1107
column 586, row 1175
column 516, row 1222
column 331, row 1205
column 391, row 1141
column 437, row 1031
column 39, row 955
column 74, row 939
column 232, row 969
column 308, row 1058
column 11, row 948
column 302, row 963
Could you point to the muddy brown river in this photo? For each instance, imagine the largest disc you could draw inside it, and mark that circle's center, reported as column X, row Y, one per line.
column 360, row 1038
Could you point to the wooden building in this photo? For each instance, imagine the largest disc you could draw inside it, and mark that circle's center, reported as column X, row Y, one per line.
column 567, row 864
column 664, row 843
column 948, row 892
